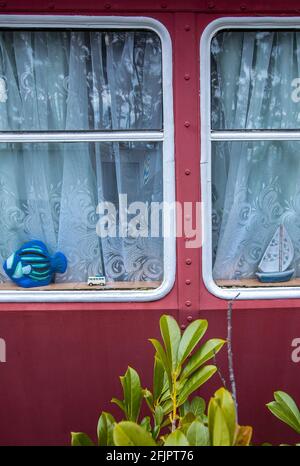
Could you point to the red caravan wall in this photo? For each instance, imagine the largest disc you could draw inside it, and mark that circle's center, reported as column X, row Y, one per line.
column 63, row 360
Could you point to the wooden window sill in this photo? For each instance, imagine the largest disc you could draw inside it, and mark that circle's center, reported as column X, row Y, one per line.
column 255, row 283
column 137, row 285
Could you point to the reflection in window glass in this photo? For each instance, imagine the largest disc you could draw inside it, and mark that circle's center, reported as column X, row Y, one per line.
column 80, row 80
column 255, row 188
column 50, row 192
column 255, row 80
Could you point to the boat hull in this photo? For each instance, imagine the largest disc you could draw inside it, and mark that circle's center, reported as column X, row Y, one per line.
column 275, row 277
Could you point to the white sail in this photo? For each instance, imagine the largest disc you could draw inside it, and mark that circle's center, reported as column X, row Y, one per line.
column 279, row 254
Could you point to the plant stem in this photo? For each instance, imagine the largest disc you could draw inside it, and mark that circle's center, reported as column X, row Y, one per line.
column 174, row 400
column 230, row 354
column 219, row 371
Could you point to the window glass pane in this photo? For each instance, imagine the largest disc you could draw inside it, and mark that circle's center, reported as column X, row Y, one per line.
column 50, row 192
column 80, row 80
column 255, row 80
column 255, row 189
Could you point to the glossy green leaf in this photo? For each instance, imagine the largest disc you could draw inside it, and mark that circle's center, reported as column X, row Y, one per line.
column 79, row 439
column 147, row 394
column 105, row 429
column 132, row 393
column 120, row 404
column 165, row 393
column 158, row 377
column 188, row 418
column 211, row 413
column 158, row 415
column 184, row 408
column 228, row 407
column 220, row 434
column 222, row 418
column 198, row 434
column 148, row 398
column 195, row 381
column 285, row 408
column 130, row 434
column 176, row 439
column 190, row 338
column 156, row 432
column 202, row 355
column 163, row 357
column 186, row 421
column 197, row 406
column 171, row 336
column 167, row 407
column 287, row 400
column 145, row 423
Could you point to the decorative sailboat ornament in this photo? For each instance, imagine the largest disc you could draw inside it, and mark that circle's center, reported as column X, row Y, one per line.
column 274, row 265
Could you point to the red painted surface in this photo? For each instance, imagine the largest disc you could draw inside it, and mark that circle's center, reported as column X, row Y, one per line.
column 63, row 360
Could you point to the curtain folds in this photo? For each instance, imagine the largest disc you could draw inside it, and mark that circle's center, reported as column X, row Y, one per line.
column 255, row 185
column 79, row 80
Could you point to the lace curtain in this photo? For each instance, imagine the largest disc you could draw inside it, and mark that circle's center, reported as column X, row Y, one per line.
column 79, row 80
column 255, row 185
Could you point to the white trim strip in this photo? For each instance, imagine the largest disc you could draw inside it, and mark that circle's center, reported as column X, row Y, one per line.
column 37, row 21
column 75, row 136
column 113, row 22
column 255, row 136
column 207, row 137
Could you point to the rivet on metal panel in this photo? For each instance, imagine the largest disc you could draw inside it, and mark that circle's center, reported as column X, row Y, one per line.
column 187, row 171
column 187, row 27
column 107, row 6
column 164, row 5
column 211, row 5
column 187, row 124
column 188, row 261
column 182, row 326
column 243, row 7
column 188, row 281
column 187, row 77
column 188, row 303
column 189, row 318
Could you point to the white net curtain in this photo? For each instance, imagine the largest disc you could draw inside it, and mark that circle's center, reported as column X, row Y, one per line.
column 76, row 81
column 255, row 185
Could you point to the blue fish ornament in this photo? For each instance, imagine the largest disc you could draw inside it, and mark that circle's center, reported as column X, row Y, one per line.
column 32, row 265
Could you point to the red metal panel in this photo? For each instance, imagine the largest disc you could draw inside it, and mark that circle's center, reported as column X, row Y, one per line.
column 125, row 6
column 63, row 359
column 186, row 102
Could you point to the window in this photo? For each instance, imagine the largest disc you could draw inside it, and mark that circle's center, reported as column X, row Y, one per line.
column 250, row 156
column 84, row 138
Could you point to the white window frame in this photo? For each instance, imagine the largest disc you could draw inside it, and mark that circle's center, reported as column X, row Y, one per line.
column 207, row 137
column 166, row 137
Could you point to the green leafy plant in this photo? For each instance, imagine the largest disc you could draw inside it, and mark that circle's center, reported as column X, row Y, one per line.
column 179, row 370
column 222, row 423
column 176, row 375
column 285, row 409
column 218, row 428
